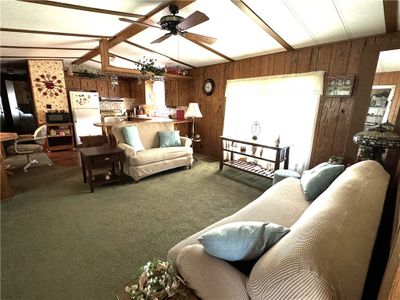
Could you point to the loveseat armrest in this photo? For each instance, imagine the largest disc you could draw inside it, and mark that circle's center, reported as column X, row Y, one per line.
column 210, row 277
column 185, row 141
column 128, row 150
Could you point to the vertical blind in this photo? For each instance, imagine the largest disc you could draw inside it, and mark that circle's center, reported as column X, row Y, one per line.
column 285, row 106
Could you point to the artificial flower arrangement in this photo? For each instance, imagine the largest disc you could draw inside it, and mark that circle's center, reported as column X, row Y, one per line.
column 157, row 280
column 148, row 68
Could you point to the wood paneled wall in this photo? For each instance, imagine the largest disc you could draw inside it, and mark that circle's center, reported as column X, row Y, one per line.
column 391, row 78
column 334, row 114
column 178, row 92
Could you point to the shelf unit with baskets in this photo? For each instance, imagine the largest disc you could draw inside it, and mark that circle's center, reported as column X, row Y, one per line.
column 60, row 136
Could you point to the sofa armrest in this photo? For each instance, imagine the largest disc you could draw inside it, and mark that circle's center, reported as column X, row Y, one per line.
column 128, row 150
column 210, row 277
column 185, row 141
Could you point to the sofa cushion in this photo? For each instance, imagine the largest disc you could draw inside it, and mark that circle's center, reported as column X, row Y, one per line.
column 315, row 181
column 159, row 154
column 169, row 138
column 244, row 240
column 132, row 137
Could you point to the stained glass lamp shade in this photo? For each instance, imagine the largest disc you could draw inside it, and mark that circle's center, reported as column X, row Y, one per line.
column 375, row 139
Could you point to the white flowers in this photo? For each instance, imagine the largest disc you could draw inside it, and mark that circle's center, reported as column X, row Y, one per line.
column 157, row 280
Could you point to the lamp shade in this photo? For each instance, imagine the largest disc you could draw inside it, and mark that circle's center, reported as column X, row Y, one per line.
column 378, row 136
column 193, row 111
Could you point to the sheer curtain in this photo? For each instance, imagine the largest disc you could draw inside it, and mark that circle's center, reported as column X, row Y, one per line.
column 285, row 106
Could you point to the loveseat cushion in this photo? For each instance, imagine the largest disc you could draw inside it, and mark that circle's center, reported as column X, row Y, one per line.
column 132, row 137
column 315, row 181
column 159, row 154
column 244, row 240
column 169, row 138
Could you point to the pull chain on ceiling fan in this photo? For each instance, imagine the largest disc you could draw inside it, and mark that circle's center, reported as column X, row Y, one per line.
column 177, row 25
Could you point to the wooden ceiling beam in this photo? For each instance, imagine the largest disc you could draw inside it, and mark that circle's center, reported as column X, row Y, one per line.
column 209, row 48
column 122, row 57
column 43, row 48
column 107, row 68
column 260, row 22
column 159, row 53
column 133, row 29
column 53, row 33
column 43, row 57
column 84, row 8
column 391, row 12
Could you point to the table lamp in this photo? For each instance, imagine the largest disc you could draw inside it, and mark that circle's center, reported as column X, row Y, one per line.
column 375, row 140
column 193, row 111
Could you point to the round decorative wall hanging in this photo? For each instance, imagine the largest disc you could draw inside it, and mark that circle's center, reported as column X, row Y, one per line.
column 49, row 85
column 208, row 87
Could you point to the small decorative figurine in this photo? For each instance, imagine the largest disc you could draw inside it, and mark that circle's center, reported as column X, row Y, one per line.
column 278, row 141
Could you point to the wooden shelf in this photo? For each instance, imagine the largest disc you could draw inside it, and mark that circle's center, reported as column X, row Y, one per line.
column 272, row 154
column 58, row 141
column 250, row 168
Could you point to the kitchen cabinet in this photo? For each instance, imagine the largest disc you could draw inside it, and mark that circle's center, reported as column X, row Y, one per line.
column 171, row 93
column 124, row 89
column 72, row 83
column 138, row 91
column 88, row 84
column 102, row 87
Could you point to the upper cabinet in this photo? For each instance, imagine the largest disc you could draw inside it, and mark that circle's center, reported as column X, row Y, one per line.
column 72, row 83
column 126, row 88
column 102, row 87
column 88, row 84
column 178, row 92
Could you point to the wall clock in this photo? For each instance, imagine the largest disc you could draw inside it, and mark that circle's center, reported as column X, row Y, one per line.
column 208, row 87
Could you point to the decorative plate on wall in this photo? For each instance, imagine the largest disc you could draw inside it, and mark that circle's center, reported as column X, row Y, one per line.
column 208, row 87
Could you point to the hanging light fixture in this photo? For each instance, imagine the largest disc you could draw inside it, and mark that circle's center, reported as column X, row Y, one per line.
column 114, row 80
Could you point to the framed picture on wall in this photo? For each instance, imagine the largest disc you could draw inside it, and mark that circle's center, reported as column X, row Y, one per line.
column 339, row 86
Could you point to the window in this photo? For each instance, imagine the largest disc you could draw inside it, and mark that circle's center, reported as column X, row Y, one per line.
column 285, row 106
column 155, row 94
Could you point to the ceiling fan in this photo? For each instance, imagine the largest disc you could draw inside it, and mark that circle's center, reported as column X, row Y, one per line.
column 177, row 25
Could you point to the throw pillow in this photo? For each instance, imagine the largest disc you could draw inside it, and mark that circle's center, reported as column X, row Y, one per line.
column 240, row 241
column 315, row 181
column 132, row 137
column 169, row 139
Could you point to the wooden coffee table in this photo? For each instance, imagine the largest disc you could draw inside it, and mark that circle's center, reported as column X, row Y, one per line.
column 100, row 157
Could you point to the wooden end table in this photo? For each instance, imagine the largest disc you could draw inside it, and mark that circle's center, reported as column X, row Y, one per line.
column 99, row 157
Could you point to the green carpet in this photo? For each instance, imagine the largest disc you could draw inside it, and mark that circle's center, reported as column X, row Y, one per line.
column 58, row 241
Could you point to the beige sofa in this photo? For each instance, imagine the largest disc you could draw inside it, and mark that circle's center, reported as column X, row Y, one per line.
column 153, row 159
column 324, row 256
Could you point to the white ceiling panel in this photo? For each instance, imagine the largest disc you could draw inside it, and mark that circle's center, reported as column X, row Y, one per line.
column 320, row 18
column 40, row 40
column 41, row 52
column 136, row 7
column 177, row 48
column 135, row 53
column 281, row 19
column 236, row 33
column 389, row 61
column 361, row 16
column 22, row 15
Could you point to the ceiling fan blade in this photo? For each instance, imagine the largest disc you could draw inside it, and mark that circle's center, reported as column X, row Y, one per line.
column 148, row 22
column 164, row 37
column 199, row 37
column 194, row 19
